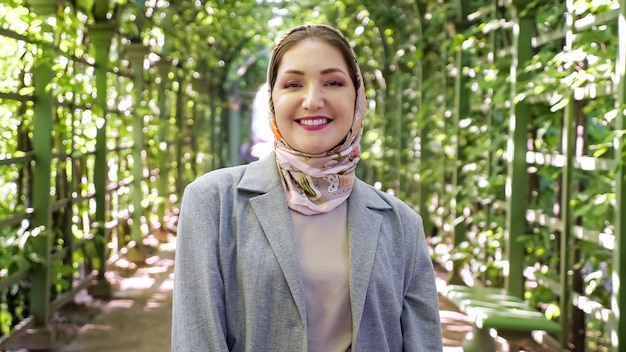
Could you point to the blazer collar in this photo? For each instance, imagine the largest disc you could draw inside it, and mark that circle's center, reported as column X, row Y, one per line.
column 261, row 176
column 270, row 207
column 364, row 226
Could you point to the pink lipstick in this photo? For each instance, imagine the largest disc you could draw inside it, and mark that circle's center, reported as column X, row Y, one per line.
column 313, row 123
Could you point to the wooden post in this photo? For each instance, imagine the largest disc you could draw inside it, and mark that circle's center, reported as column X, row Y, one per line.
column 566, row 244
column 517, row 176
column 42, row 336
column 180, row 126
column 234, row 121
column 165, row 68
column 136, row 53
column 461, row 107
column 618, row 298
column 101, row 34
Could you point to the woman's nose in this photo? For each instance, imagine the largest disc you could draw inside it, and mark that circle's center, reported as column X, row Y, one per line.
column 313, row 99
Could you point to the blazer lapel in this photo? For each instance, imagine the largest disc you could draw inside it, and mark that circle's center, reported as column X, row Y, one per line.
column 364, row 224
column 271, row 209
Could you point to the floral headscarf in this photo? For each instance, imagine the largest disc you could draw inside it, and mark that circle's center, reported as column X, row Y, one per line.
column 316, row 184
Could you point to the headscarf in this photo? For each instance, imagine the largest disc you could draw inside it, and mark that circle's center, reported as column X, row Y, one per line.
column 318, row 183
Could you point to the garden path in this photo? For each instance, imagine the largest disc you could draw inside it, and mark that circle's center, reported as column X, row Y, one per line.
column 138, row 317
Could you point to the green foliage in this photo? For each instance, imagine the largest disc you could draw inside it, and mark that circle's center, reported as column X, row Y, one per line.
column 16, row 255
column 14, row 251
column 576, row 75
column 207, row 57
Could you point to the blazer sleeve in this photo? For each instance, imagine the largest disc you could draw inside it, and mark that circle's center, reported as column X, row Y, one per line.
column 421, row 327
column 198, row 314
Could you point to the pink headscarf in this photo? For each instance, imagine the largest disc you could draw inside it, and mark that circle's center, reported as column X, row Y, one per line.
column 316, row 184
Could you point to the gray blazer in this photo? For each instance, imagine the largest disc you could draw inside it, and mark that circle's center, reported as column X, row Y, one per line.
column 238, row 285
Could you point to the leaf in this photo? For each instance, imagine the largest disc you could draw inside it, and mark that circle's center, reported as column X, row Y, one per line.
column 553, row 311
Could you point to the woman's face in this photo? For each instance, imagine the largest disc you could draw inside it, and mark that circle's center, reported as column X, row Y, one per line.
column 313, row 97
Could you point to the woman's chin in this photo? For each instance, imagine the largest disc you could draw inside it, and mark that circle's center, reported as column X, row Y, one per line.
column 313, row 149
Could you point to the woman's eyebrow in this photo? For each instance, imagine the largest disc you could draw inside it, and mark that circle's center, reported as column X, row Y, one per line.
column 324, row 72
column 294, row 72
column 333, row 70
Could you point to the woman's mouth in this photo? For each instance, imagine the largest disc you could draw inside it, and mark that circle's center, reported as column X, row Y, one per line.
column 314, row 122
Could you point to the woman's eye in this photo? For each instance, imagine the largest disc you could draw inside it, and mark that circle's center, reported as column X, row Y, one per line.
column 335, row 83
column 291, row 85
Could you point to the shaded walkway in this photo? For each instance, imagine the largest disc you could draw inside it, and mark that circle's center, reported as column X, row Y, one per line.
column 138, row 318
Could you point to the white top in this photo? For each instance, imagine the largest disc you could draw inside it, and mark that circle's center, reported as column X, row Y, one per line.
column 322, row 243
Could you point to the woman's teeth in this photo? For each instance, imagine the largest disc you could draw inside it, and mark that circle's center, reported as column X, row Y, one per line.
column 314, row 122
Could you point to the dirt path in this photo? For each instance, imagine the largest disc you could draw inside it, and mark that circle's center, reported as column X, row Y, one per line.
column 138, row 318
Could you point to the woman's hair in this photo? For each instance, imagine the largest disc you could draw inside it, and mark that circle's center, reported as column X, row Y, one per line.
column 320, row 32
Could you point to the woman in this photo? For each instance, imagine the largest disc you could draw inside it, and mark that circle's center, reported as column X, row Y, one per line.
column 293, row 252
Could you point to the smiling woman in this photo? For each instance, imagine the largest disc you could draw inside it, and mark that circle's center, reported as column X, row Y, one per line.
column 317, row 108
column 293, row 252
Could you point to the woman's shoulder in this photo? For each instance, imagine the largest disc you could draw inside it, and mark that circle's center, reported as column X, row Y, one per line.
column 256, row 176
column 396, row 204
column 223, row 178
